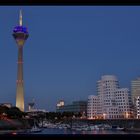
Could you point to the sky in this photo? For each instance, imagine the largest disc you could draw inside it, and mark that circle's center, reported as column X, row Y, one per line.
column 69, row 48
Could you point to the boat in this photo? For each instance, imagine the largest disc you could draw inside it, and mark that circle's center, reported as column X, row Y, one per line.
column 107, row 127
column 117, row 128
column 85, row 128
column 35, row 129
column 94, row 127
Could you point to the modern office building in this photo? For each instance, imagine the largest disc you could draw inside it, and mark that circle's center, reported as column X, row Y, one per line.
column 93, row 107
column 60, row 104
column 31, row 106
column 111, row 102
column 106, row 88
column 20, row 34
column 135, row 89
column 138, row 107
column 76, row 107
column 124, row 102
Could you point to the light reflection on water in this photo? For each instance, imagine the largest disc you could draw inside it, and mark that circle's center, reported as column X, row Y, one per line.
column 94, row 132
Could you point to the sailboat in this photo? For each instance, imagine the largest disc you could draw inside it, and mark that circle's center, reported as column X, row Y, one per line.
column 35, row 129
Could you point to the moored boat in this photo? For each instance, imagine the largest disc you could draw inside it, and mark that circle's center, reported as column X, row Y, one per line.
column 35, row 129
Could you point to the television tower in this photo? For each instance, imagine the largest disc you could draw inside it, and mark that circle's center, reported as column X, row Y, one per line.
column 20, row 34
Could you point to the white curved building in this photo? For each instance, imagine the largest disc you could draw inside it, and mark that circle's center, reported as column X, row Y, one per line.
column 124, row 102
column 110, row 100
column 93, row 106
column 106, row 88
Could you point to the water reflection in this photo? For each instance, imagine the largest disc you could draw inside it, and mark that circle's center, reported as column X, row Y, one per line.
column 73, row 132
column 68, row 131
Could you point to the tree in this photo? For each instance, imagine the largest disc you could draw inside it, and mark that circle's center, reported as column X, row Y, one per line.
column 15, row 113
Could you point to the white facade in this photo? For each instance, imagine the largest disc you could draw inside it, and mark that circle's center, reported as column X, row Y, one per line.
column 123, row 101
column 138, row 107
column 113, row 102
column 92, row 106
column 135, row 89
column 112, row 112
column 106, row 88
column 135, row 93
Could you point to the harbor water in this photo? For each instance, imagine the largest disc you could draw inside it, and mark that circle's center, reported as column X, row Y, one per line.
column 94, row 132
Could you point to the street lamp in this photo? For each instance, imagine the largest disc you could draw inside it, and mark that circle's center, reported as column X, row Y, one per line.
column 127, row 115
column 104, row 115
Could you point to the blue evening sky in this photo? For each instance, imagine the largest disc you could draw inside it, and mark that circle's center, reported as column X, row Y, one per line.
column 68, row 50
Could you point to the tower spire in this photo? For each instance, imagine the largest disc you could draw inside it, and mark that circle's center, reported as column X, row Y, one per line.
column 20, row 18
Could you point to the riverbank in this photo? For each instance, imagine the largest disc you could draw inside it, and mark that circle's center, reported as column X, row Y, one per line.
column 132, row 130
column 14, row 124
column 13, row 132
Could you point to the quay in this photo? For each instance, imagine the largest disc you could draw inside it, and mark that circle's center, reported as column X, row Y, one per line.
column 125, row 123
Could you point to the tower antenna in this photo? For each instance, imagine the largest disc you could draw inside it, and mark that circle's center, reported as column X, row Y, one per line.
column 20, row 18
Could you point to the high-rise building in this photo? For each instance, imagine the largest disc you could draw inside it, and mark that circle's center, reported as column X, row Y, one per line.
column 106, row 88
column 138, row 107
column 135, row 89
column 93, row 107
column 20, row 34
column 124, row 102
column 111, row 102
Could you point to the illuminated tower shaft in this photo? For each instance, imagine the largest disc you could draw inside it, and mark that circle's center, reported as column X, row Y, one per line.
column 20, row 34
column 20, row 89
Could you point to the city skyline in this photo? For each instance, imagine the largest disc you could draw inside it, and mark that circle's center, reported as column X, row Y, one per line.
column 68, row 50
